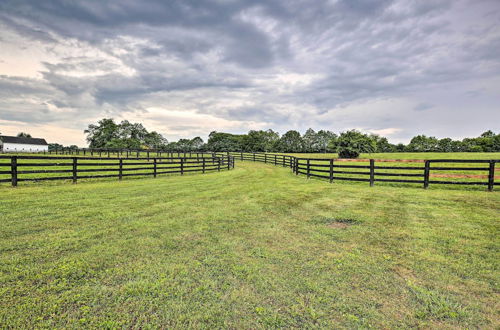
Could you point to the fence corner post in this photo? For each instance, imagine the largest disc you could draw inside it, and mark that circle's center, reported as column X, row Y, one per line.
column 308, row 168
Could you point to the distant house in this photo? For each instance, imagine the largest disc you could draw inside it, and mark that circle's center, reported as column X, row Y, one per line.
column 22, row 144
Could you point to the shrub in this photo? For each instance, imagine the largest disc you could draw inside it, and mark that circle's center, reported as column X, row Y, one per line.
column 351, row 143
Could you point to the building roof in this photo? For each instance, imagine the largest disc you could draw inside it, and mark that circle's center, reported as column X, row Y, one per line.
column 22, row 140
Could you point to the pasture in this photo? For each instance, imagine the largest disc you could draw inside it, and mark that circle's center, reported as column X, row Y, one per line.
column 254, row 247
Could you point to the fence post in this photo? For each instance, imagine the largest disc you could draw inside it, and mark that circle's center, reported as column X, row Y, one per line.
column 296, row 165
column 182, row 166
column 331, row 170
column 427, row 171
column 75, row 164
column 254, row 156
column 120, row 169
column 148, row 155
column 372, row 172
column 265, row 158
column 233, row 161
column 154, row 167
column 241, row 155
column 275, row 160
column 308, row 168
column 491, row 175
column 203, row 166
column 218, row 164
column 13, row 169
column 228, row 163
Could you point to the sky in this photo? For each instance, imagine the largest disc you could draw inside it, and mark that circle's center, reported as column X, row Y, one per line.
column 184, row 68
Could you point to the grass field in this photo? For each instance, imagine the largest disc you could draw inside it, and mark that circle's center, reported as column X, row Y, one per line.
column 254, row 247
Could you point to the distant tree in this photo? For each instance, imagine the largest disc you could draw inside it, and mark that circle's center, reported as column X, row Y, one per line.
column 422, row 143
column 259, row 140
column 55, row 146
column 382, row 144
column 224, row 142
column 310, row 141
column 323, row 139
column 125, row 135
column 352, row 143
column 197, row 144
column 24, row 135
column 291, row 141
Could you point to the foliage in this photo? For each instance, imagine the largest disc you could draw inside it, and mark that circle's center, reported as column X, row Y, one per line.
column 351, row 143
column 224, row 142
column 23, row 134
column 125, row 135
column 256, row 141
column 108, row 134
column 291, row 141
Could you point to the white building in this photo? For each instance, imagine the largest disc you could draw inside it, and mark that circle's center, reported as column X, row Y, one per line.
column 22, row 144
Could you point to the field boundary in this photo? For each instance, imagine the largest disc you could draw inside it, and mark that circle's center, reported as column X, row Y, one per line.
column 77, row 168
column 332, row 169
column 412, row 171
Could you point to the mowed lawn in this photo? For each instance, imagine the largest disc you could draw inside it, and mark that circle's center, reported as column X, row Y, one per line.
column 254, row 247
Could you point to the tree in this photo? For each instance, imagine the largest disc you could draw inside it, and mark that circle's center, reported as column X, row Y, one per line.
column 310, row 141
column 125, row 135
column 352, row 143
column 291, row 141
column 102, row 133
column 224, row 142
column 422, row 143
column 23, row 135
column 382, row 144
column 259, row 141
column 323, row 140
column 197, row 144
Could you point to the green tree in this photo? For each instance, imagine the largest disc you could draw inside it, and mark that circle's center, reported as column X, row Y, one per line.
column 352, row 143
column 310, row 141
column 291, row 141
column 422, row 143
column 259, row 140
column 218, row 141
column 323, row 139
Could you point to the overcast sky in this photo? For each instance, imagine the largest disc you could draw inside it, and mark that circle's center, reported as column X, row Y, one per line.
column 185, row 68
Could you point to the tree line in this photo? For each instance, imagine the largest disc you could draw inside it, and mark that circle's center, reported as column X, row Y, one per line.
column 125, row 135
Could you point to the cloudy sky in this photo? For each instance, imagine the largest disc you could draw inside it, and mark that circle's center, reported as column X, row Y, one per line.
column 187, row 67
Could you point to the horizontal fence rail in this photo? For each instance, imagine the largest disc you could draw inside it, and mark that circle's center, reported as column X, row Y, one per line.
column 47, row 168
column 142, row 162
column 416, row 171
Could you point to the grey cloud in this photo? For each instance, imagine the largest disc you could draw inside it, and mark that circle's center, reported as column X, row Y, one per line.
column 225, row 58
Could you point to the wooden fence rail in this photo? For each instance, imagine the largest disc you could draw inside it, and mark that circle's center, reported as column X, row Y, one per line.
column 42, row 168
column 419, row 171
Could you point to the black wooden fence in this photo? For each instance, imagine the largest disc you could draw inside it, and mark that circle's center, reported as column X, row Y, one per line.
column 424, row 172
column 42, row 168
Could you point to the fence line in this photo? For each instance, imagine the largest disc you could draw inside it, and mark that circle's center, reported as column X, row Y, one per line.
column 334, row 169
column 326, row 168
column 76, row 168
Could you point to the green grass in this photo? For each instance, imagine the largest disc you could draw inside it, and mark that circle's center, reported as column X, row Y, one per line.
column 255, row 247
